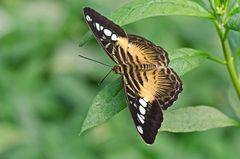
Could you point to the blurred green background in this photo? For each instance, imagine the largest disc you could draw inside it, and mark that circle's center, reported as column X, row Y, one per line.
column 46, row 89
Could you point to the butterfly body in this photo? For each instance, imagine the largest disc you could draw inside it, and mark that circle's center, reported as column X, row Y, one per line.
column 150, row 85
column 119, row 69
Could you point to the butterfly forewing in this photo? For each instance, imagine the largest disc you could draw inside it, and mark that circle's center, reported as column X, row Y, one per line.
column 147, row 116
column 106, row 32
column 150, row 85
column 143, row 51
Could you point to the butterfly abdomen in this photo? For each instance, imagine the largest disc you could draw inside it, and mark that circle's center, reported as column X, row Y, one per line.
column 146, row 67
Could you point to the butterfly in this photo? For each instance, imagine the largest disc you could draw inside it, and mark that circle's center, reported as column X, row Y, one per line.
column 150, row 85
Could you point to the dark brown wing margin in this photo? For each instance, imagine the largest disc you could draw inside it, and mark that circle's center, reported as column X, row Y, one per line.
column 105, row 31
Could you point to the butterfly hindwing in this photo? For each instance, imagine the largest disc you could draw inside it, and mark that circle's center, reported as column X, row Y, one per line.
column 162, row 84
column 153, row 83
column 107, row 33
column 168, row 94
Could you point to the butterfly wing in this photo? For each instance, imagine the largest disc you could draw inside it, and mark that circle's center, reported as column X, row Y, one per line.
column 148, row 93
column 160, row 81
column 162, row 84
column 142, row 51
column 147, row 116
column 149, row 89
column 107, row 33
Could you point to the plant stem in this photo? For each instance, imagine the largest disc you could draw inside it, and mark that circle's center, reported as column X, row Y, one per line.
column 217, row 60
column 229, row 59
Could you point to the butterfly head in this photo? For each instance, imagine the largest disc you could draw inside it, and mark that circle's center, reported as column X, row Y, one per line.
column 117, row 69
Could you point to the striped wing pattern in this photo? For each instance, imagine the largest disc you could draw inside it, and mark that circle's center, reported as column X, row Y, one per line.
column 156, row 79
column 144, row 51
column 150, row 85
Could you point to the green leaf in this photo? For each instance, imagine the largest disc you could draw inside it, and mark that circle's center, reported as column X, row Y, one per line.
column 111, row 100
column 234, row 8
column 234, row 22
column 234, row 41
column 206, row 5
column 185, row 59
column 198, row 118
column 234, row 101
column 141, row 9
column 86, row 37
column 108, row 102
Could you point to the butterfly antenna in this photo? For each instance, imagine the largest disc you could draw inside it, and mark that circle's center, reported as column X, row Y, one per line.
column 99, row 84
column 94, row 60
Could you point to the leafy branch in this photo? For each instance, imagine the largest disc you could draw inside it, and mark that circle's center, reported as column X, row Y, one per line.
column 221, row 18
column 229, row 59
column 226, row 17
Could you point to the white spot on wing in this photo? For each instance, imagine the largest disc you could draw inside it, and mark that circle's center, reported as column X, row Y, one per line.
column 142, row 110
column 101, row 27
column 142, row 102
column 135, row 105
column 104, row 37
column 98, row 26
column 140, row 118
column 130, row 95
column 107, row 32
column 107, row 45
column 144, row 98
column 88, row 18
column 114, row 37
column 140, row 130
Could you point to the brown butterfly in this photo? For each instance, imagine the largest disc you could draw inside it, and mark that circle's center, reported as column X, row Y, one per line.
column 150, row 85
